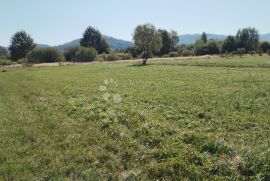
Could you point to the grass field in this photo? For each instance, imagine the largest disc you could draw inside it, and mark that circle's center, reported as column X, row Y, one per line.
column 169, row 120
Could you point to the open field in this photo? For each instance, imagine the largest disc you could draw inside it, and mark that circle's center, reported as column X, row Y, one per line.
column 172, row 119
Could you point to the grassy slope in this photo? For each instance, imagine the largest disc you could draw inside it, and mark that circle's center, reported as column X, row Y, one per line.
column 202, row 120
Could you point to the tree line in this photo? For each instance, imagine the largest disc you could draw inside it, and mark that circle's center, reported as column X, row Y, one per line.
column 148, row 42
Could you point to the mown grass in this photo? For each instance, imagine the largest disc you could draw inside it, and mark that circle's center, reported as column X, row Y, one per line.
column 173, row 120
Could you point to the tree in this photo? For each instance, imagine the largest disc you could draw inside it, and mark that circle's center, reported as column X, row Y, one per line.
column 21, row 44
column 166, row 42
column 174, row 39
column 248, row 38
column 204, row 37
column 148, row 39
column 213, row 47
column 265, row 46
column 229, row 45
column 3, row 51
column 92, row 38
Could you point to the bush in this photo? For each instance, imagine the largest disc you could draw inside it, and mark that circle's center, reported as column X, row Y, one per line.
column 268, row 52
column 22, row 61
column 45, row 55
column 173, row 54
column 252, row 53
column 187, row 53
column 165, row 56
column 5, row 62
column 70, row 53
column 111, row 57
column 125, row 56
column 85, row 54
column 241, row 51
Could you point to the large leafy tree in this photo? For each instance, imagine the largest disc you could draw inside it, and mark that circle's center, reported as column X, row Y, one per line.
column 174, row 39
column 147, row 39
column 166, row 42
column 229, row 45
column 169, row 41
column 248, row 38
column 21, row 44
column 92, row 38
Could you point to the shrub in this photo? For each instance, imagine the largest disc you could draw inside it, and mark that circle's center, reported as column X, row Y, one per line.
column 268, row 52
column 125, row 56
column 260, row 52
column 252, row 53
column 187, row 53
column 111, row 57
column 70, row 53
column 45, row 55
column 22, row 61
column 85, row 54
column 173, row 54
column 5, row 62
column 241, row 51
column 165, row 56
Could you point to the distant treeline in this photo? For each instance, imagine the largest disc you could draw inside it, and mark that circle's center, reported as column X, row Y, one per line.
column 148, row 42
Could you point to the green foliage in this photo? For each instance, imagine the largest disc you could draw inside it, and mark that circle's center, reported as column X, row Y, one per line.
column 187, row 53
column 135, row 52
column 204, row 37
column 147, row 39
column 248, row 38
column 45, row 55
column 229, row 45
column 166, row 42
column 268, row 52
column 175, row 39
column 241, row 51
column 111, row 57
column 92, row 38
column 252, row 53
column 265, row 46
column 22, row 61
column 85, row 54
column 70, row 53
column 169, row 41
column 173, row 54
column 21, row 45
column 216, row 148
column 4, row 62
column 209, row 48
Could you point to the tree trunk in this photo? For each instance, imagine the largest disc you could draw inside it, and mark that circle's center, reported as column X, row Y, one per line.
column 146, row 57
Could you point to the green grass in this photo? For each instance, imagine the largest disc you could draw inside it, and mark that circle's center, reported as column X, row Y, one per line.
column 174, row 120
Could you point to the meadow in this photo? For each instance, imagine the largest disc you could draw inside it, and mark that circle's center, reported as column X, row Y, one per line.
column 203, row 119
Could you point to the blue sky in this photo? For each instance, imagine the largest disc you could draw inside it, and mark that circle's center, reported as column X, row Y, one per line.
column 58, row 21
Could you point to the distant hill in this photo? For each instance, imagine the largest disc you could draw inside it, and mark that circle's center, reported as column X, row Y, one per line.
column 43, row 46
column 265, row 37
column 114, row 43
